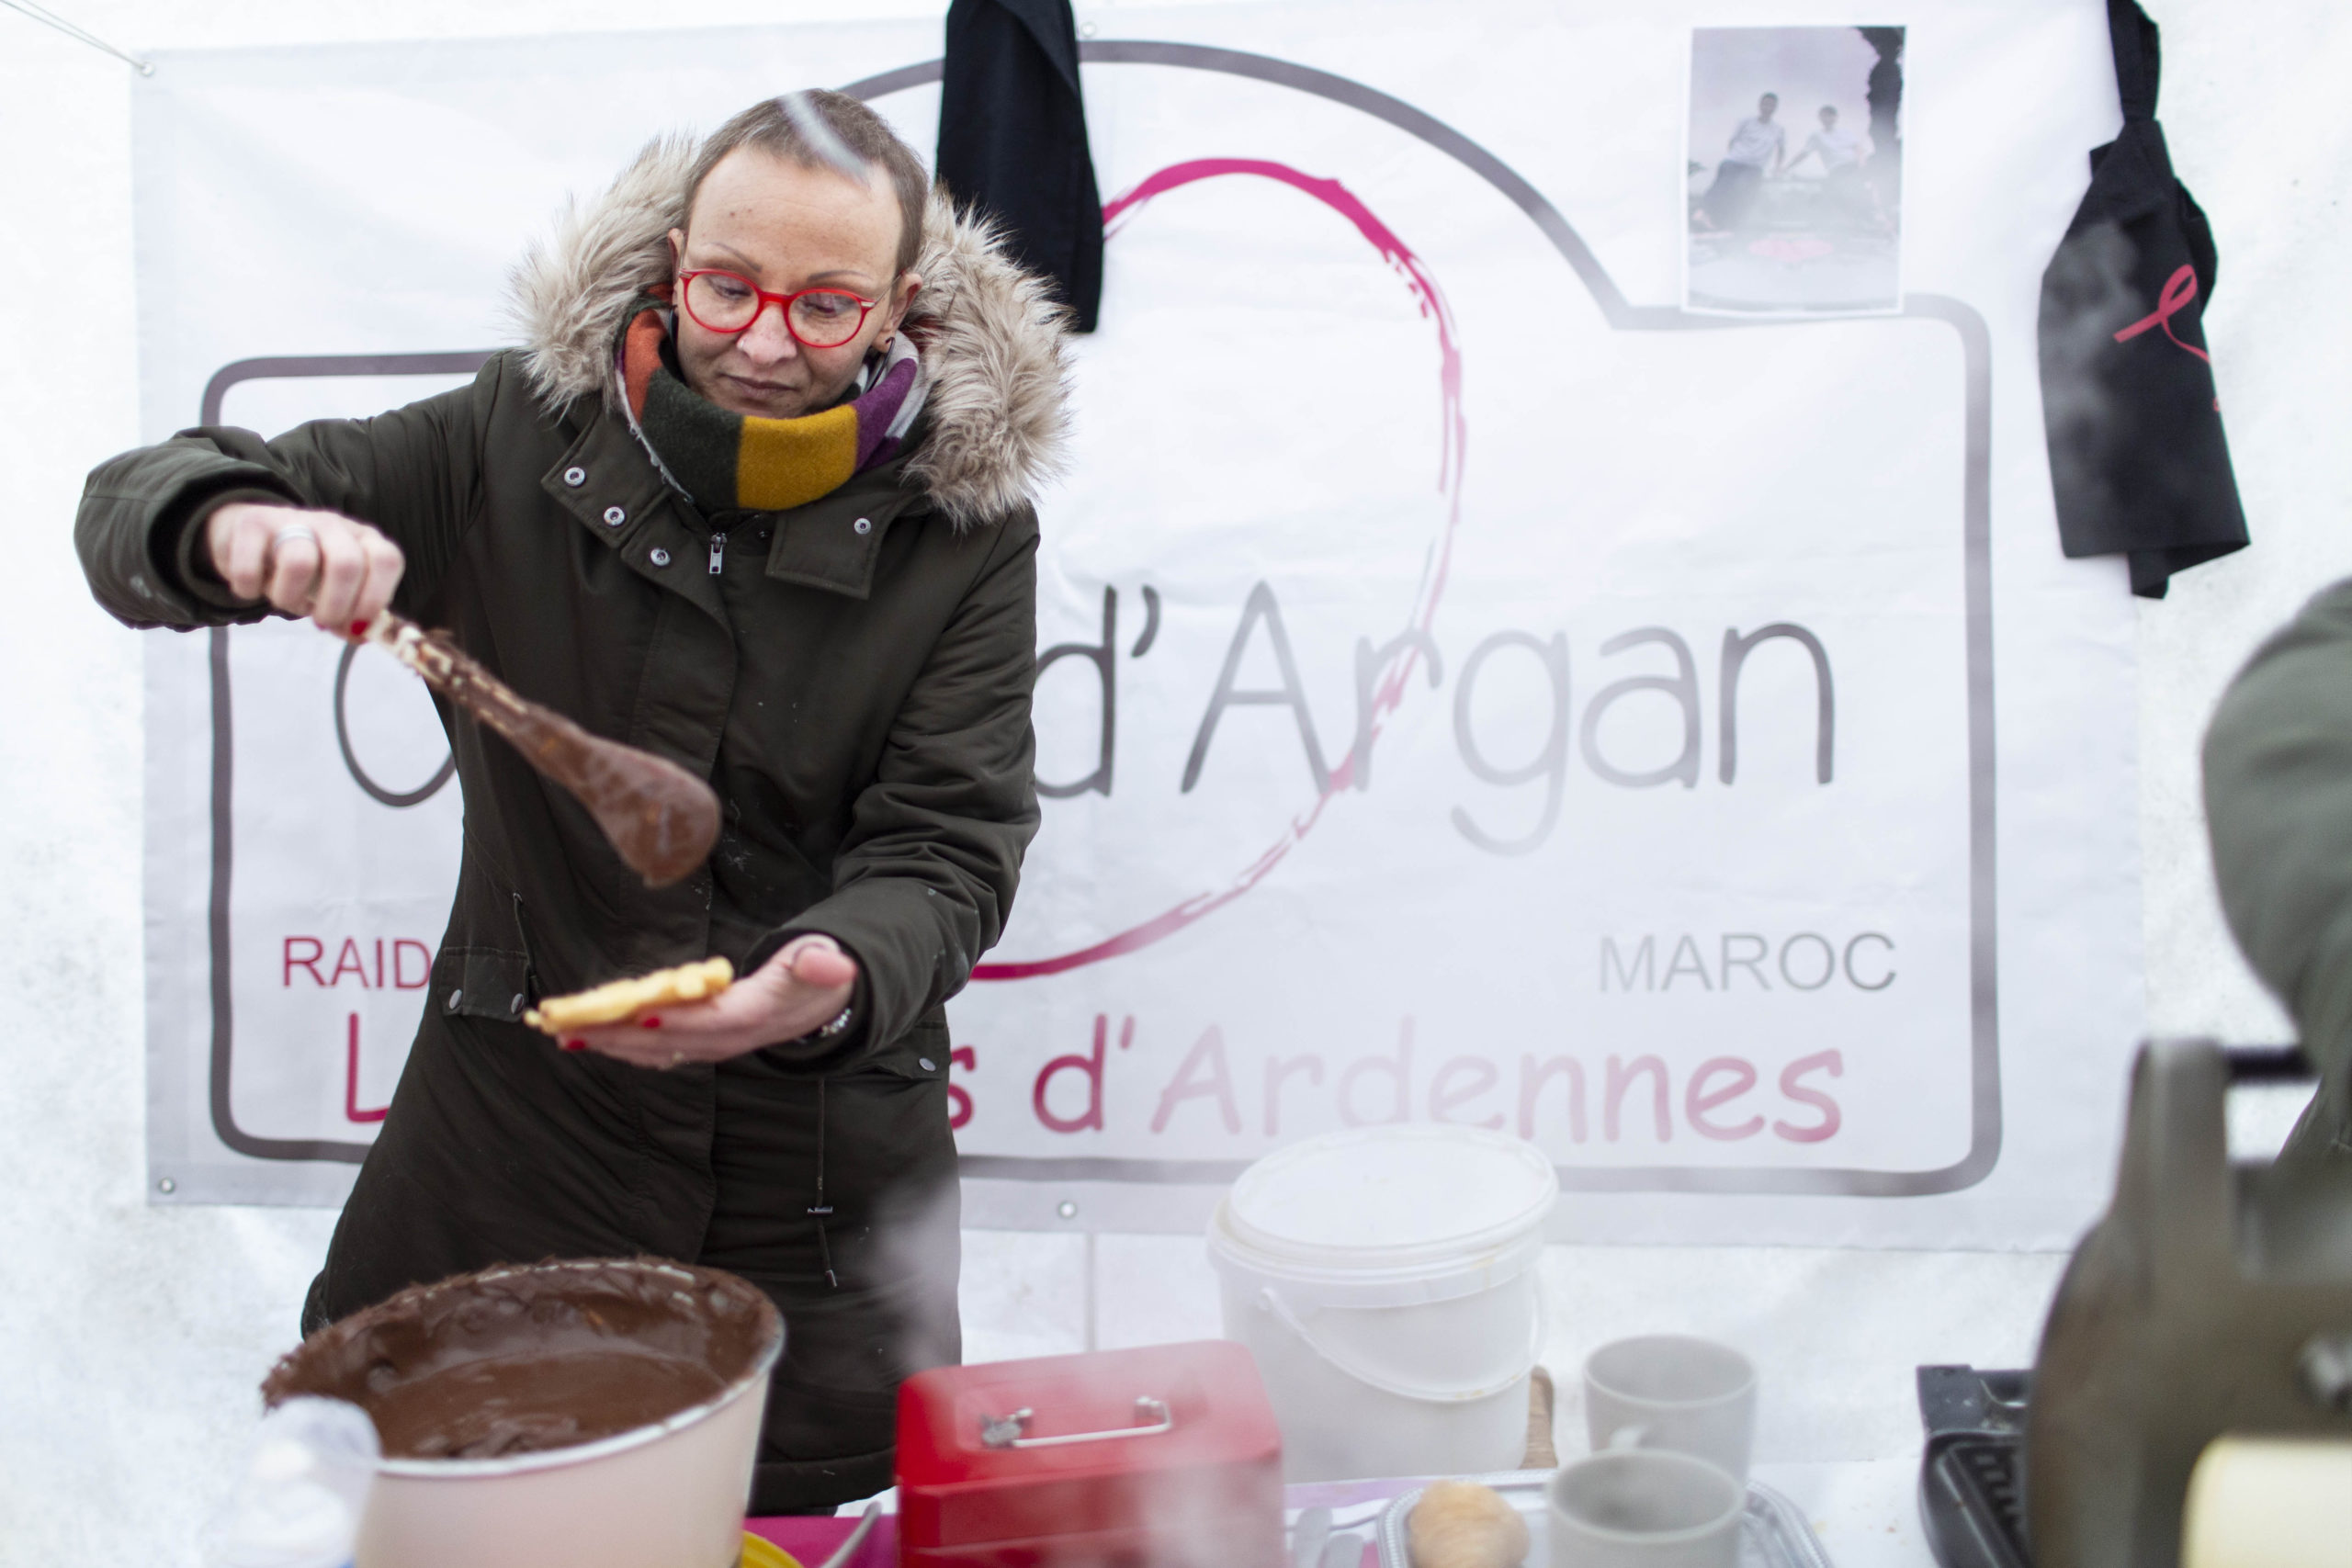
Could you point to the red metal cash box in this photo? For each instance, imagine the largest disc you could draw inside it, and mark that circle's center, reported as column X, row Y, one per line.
column 1164, row 1457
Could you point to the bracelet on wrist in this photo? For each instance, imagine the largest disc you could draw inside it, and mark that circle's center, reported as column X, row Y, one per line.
column 838, row 1025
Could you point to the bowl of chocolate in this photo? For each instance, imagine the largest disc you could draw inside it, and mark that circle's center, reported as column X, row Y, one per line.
column 598, row 1413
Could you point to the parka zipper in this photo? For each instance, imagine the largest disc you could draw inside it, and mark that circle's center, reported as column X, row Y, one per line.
column 717, row 553
column 822, row 1211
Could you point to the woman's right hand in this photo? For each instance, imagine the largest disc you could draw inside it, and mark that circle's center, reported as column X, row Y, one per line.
column 331, row 568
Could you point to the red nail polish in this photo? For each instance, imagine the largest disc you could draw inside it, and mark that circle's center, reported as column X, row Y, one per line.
column 575, row 1044
column 648, row 1023
column 359, row 628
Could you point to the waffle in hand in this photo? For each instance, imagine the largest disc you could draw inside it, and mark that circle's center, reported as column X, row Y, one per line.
column 623, row 1000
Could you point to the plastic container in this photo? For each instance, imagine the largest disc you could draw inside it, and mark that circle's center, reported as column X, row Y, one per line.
column 1775, row 1533
column 1384, row 1279
column 305, row 1485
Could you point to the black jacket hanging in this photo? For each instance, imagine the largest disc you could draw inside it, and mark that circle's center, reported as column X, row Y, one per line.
column 2137, row 456
column 1013, row 139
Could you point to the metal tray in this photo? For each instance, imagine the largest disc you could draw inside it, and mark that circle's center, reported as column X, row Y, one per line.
column 1774, row 1535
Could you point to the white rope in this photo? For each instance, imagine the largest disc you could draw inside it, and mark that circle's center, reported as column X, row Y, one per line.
column 49, row 18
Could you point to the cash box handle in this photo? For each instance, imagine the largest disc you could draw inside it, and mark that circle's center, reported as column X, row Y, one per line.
column 1004, row 1431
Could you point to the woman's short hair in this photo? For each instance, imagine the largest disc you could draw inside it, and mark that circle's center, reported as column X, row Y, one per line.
column 766, row 126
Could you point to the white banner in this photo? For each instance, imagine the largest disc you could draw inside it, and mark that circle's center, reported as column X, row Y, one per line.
column 1546, row 630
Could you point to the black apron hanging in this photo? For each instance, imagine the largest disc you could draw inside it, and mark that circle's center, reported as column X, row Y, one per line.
column 1013, row 139
column 2137, row 458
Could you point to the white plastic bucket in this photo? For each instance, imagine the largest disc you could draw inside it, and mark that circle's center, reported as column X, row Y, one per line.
column 1386, row 1280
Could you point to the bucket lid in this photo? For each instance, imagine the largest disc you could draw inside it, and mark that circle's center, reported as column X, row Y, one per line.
column 1390, row 1214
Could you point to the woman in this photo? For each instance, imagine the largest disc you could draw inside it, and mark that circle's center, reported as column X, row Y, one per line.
column 753, row 496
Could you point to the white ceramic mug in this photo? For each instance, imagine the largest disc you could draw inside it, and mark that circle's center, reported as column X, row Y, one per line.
column 1643, row 1508
column 1671, row 1390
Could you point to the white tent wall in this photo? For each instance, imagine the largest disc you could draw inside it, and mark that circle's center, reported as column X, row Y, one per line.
column 131, row 1337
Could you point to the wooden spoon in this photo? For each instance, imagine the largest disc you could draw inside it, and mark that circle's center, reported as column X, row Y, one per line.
column 661, row 819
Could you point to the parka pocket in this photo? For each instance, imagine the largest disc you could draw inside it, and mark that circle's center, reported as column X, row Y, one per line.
column 481, row 982
column 920, row 1053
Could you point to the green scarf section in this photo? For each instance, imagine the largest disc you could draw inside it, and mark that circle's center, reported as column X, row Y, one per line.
column 727, row 461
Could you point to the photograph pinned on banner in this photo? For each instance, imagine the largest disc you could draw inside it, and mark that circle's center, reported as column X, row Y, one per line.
column 1793, row 168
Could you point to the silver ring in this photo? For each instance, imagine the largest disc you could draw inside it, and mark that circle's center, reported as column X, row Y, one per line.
column 294, row 531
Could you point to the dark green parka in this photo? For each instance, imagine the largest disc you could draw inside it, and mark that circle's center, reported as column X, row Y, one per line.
column 852, row 675
column 2278, row 805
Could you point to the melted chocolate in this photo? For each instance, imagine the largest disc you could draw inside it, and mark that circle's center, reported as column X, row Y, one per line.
column 661, row 819
column 516, row 1360
column 483, row 1409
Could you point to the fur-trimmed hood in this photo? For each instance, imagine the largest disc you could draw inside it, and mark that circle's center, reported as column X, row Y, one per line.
column 991, row 335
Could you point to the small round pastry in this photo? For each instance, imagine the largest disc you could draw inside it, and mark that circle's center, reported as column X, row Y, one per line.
column 1458, row 1524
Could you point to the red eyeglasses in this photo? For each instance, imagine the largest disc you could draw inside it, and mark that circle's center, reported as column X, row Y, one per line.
column 728, row 303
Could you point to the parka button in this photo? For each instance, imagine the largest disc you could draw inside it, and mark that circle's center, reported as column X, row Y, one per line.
column 516, row 1005
column 454, row 997
column 863, row 525
column 576, row 477
column 659, row 556
column 925, row 1064
column 616, row 516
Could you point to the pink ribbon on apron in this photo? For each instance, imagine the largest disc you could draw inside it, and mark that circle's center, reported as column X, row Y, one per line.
column 2179, row 291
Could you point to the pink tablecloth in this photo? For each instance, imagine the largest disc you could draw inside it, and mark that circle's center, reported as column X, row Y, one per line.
column 813, row 1537
column 811, row 1540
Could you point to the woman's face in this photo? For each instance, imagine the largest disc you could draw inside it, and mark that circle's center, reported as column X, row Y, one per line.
column 786, row 227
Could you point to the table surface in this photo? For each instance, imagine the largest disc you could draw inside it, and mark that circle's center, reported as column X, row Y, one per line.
column 1866, row 1513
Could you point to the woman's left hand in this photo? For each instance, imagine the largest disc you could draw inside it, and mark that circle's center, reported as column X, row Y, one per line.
column 798, row 991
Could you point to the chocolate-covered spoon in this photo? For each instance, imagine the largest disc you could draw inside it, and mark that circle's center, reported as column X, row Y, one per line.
column 662, row 818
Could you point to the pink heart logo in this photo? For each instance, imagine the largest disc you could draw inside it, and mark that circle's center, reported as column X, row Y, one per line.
column 1390, row 692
